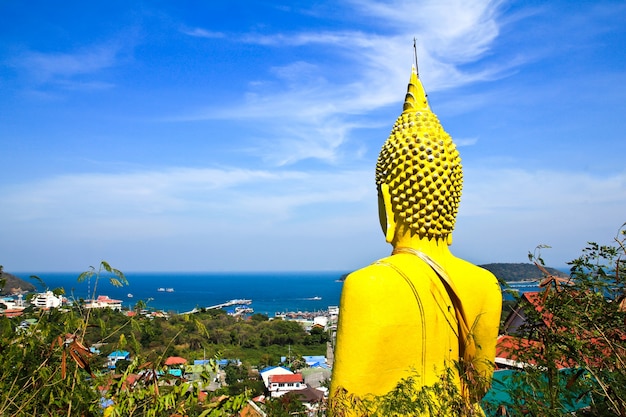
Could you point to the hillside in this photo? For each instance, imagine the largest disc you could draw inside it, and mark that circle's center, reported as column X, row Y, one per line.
column 13, row 284
column 512, row 272
column 519, row 271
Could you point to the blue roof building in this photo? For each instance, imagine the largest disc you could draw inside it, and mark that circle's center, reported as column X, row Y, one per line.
column 117, row 356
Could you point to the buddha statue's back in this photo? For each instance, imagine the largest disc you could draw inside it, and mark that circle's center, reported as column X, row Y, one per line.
column 421, row 314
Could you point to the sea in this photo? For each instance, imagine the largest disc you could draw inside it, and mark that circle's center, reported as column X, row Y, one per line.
column 270, row 292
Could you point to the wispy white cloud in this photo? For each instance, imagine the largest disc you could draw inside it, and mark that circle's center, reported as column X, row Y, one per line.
column 202, row 33
column 453, row 30
column 377, row 66
column 517, row 189
column 188, row 213
column 460, row 142
column 177, row 191
column 46, row 67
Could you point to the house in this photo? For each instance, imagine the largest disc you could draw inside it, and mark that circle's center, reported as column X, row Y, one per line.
column 506, row 348
column 46, row 300
column 311, row 398
column 222, row 363
column 513, row 341
column 333, row 316
column 315, row 377
column 12, row 312
column 175, row 365
column 518, row 317
column 281, row 384
column 103, row 301
column 116, row 356
column 273, row 370
column 12, row 304
column 320, row 321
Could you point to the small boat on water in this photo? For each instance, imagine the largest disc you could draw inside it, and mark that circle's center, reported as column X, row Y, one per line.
column 316, row 298
column 161, row 289
column 169, row 290
column 129, row 295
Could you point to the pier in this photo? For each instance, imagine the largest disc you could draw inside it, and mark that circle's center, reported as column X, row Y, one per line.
column 230, row 303
column 234, row 302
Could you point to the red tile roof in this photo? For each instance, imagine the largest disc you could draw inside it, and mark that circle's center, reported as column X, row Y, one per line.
column 175, row 360
column 106, row 299
column 12, row 313
column 285, row 378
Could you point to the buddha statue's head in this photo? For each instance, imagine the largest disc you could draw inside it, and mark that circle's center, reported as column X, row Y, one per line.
column 418, row 173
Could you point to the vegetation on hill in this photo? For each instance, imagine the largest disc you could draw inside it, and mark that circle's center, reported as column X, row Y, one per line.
column 258, row 341
column 519, row 271
column 10, row 284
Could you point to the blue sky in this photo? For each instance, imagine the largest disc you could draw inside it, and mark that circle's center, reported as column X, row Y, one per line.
column 242, row 136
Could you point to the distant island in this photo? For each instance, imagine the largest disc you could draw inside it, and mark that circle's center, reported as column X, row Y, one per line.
column 512, row 272
column 10, row 284
column 520, row 271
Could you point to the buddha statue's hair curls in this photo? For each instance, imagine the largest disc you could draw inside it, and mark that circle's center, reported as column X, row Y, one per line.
column 422, row 167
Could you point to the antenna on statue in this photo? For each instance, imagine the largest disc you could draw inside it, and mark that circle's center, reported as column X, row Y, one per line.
column 417, row 71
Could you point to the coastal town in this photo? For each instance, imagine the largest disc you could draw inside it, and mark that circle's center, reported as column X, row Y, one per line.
column 301, row 373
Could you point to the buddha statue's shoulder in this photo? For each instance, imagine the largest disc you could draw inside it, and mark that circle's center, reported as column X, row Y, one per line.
column 382, row 271
column 369, row 272
column 474, row 270
column 467, row 277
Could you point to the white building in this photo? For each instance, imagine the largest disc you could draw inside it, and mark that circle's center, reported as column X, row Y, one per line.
column 47, row 300
column 321, row 321
column 279, row 385
column 273, row 370
column 103, row 301
column 12, row 304
column 116, row 356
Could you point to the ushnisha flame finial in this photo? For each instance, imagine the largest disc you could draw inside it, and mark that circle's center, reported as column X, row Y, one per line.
column 422, row 167
column 415, row 98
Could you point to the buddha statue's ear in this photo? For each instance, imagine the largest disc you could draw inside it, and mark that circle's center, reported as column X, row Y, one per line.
column 389, row 222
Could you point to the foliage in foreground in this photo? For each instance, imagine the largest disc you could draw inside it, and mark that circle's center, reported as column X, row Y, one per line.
column 410, row 398
column 574, row 340
column 46, row 369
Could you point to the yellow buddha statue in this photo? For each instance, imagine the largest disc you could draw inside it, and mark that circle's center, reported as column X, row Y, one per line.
column 420, row 313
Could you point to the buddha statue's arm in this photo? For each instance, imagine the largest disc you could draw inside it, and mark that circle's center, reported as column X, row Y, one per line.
column 484, row 329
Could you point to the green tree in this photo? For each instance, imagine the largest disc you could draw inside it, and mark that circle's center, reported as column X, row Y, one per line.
column 235, row 373
column 316, row 336
column 140, row 305
column 285, row 406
